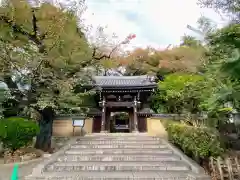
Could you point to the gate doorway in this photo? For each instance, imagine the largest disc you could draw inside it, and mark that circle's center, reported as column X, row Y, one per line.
column 120, row 122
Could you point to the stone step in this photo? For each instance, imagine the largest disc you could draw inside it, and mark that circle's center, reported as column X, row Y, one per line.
column 141, row 157
column 116, row 166
column 97, row 142
column 126, row 136
column 119, row 146
column 147, row 175
column 118, row 151
column 136, row 140
column 121, row 138
column 117, row 134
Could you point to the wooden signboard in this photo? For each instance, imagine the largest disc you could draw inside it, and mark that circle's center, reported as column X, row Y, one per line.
column 78, row 123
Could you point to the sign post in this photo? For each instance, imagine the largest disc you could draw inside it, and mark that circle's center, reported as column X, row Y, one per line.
column 78, row 123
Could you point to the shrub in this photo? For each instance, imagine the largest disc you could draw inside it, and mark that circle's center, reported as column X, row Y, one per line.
column 17, row 132
column 198, row 142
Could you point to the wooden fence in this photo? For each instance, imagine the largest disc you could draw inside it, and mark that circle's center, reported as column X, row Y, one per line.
column 225, row 169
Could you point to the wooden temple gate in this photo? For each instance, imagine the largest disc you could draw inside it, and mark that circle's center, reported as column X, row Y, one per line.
column 123, row 94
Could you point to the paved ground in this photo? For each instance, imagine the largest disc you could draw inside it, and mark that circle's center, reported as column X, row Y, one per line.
column 26, row 169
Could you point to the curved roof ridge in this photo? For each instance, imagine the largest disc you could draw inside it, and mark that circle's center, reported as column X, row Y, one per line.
column 124, row 81
column 121, row 77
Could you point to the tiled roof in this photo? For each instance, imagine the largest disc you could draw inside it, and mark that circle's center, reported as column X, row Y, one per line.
column 94, row 111
column 123, row 81
column 146, row 111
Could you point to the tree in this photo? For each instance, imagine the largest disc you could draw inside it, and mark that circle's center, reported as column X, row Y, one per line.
column 221, row 83
column 42, row 53
column 190, row 41
column 225, row 48
column 222, row 71
column 2, row 98
column 230, row 7
column 44, row 57
column 140, row 61
column 178, row 94
column 109, row 53
column 151, row 61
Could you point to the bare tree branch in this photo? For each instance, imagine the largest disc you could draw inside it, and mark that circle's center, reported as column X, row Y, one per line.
column 104, row 56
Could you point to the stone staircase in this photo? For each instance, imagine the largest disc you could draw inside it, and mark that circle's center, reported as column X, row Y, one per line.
column 118, row 156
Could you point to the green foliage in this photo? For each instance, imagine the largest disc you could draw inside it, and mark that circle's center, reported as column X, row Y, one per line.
column 218, row 83
column 16, row 119
column 228, row 7
column 4, row 96
column 17, row 132
column 225, row 48
column 122, row 116
column 1, row 101
column 176, row 93
column 45, row 56
column 222, row 71
column 190, row 41
column 198, row 142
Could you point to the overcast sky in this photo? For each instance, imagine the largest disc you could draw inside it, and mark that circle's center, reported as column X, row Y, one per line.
column 156, row 23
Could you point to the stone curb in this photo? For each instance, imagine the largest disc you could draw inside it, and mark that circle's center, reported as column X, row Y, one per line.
column 194, row 166
column 22, row 163
column 199, row 172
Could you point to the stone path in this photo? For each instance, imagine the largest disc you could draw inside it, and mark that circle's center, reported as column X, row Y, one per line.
column 24, row 170
column 118, row 156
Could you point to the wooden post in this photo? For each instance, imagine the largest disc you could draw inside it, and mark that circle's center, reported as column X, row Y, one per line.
column 103, row 123
column 219, row 164
column 135, row 127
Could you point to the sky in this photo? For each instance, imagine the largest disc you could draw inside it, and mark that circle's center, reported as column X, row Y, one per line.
column 156, row 23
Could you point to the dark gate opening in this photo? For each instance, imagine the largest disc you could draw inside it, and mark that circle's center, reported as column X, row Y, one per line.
column 120, row 123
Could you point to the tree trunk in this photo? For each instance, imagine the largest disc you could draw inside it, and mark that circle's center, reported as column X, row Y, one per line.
column 43, row 141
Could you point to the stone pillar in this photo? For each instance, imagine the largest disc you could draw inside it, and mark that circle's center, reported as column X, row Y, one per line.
column 135, row 121
column 103, row 123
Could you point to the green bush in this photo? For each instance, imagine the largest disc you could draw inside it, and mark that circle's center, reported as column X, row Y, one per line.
column 16, row 119
column 17, row 132
column 197, row 142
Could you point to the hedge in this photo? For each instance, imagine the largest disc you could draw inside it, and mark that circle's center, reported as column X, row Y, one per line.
column 17, row 132
column 198, row 142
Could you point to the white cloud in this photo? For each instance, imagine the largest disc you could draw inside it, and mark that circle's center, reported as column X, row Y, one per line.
column 157, row 23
